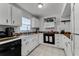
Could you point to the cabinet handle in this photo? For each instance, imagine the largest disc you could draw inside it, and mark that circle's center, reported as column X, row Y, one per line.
column 66, row 44
column 7, row 20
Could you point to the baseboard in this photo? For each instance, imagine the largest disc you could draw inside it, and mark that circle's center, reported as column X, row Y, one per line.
column 32, row 50
column 52, row 45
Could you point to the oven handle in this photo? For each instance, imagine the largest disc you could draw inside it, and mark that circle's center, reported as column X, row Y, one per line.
column 12, row 48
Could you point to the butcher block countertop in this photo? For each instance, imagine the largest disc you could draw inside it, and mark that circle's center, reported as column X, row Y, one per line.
column 67, row 34
column 8, row 39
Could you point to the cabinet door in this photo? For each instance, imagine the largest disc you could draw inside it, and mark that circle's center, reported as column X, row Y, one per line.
column 34, row 41
column 57, row 40
column 25, row 45
column 35, row 23
column 25, row 49
column 67, row 45
column 76, row 45
column 68, row 49
column 5, row 14
column 63, row 40
column 16, row 16
column 41, row 38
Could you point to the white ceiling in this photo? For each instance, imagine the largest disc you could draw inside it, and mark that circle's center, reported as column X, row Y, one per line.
column 49, row 9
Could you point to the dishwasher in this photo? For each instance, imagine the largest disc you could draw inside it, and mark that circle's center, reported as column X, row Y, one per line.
column 11, row 48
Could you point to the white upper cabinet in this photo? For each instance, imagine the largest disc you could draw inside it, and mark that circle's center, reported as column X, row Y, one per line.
column 66, row 11
column 5, row 14
column 9, row 15
column 35, row 23
column 16, row 16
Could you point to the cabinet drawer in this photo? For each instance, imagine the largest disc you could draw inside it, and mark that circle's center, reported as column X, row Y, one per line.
column 25, row 49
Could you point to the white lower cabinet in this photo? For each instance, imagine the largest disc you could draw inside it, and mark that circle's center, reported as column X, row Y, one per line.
column 25, row 45
column 68, row 50
column 40, row 38
column 58, row 41
column 76, row 47
column 25, row 49
column 67, row 45
column 62, row 41
column 29, row 42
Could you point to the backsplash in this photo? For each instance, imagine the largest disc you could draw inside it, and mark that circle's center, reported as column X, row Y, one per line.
column 2, row 28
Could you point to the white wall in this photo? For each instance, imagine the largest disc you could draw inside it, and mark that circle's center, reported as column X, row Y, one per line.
column 64, row 26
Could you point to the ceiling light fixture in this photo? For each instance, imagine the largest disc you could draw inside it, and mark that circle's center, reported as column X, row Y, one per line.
column 40, row 5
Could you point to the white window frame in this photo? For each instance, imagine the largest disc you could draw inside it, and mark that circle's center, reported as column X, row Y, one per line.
column 25, row 25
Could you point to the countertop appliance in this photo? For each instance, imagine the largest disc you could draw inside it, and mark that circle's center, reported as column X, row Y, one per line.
column 11, row 48
column 2, row 34
column 9, row 31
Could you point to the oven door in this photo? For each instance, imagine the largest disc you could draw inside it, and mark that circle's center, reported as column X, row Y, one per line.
column 11, row 49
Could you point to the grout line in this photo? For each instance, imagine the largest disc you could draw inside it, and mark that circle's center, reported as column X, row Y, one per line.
column 49, row 45
column 33, row 50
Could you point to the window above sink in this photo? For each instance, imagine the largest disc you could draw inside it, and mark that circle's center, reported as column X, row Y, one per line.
column 49, row 22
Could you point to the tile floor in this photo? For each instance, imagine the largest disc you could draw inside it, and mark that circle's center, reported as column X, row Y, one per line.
column 43, row 50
